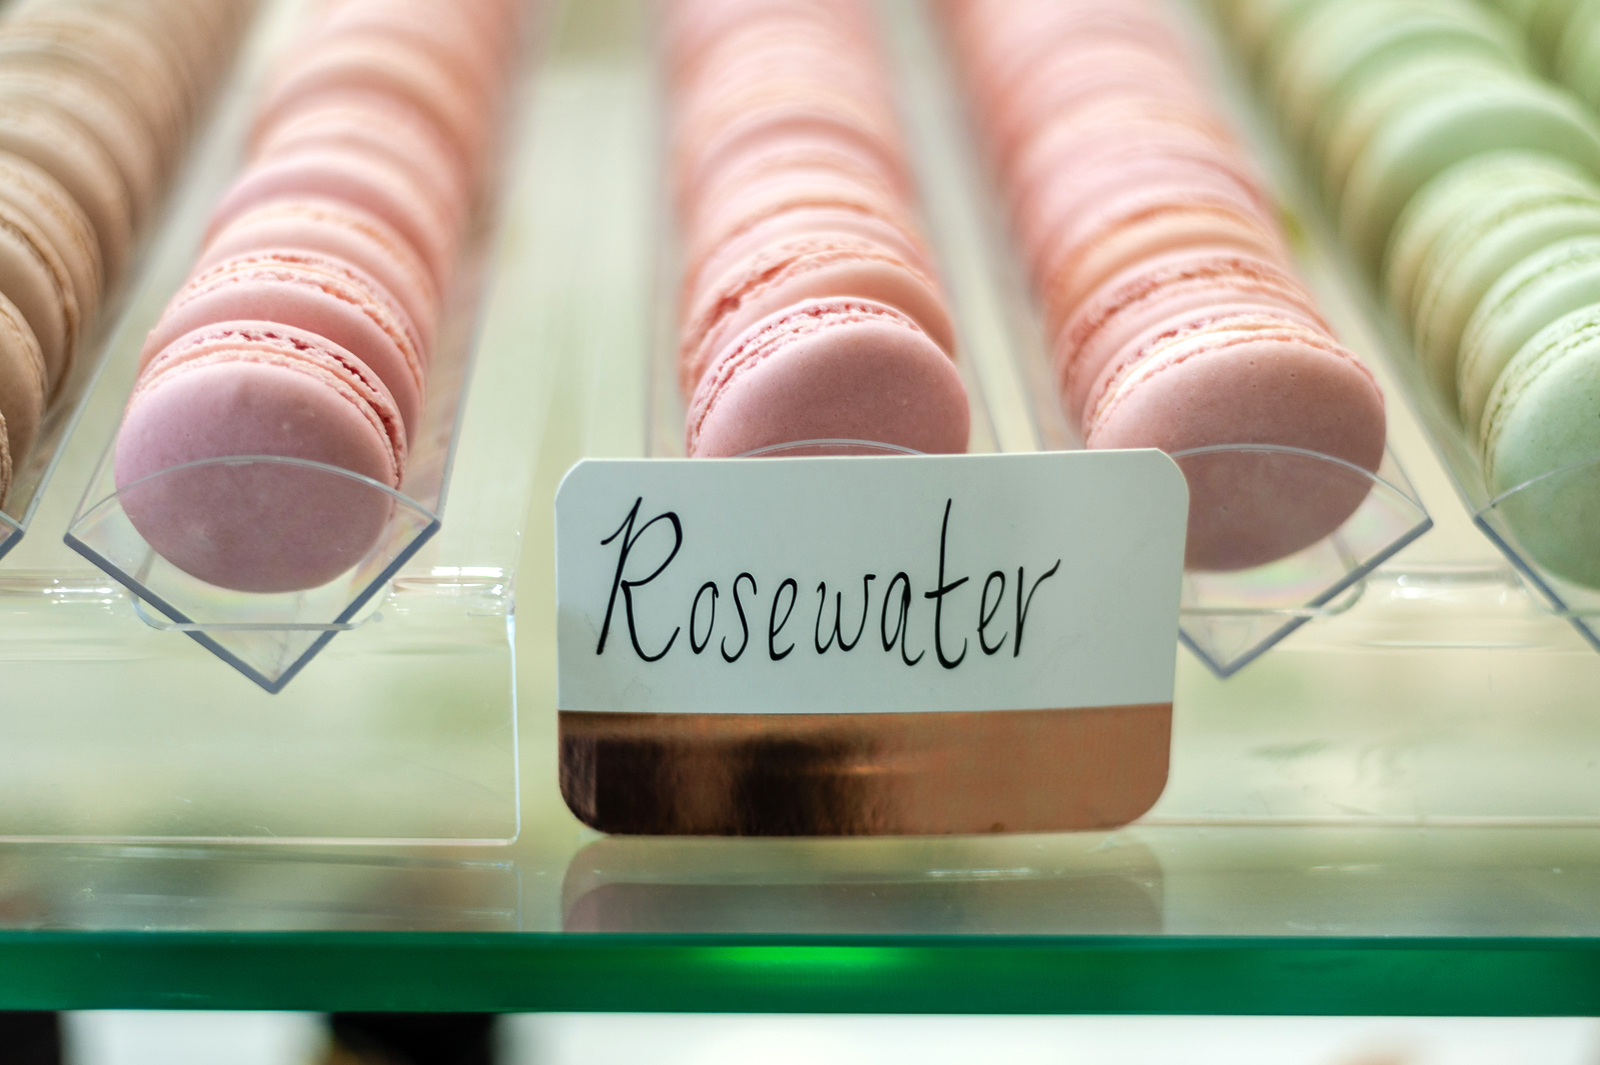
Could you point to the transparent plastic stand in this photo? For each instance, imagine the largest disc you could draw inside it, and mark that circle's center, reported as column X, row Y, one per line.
column 1549, row 529
column 1229, row 618
column 267, row 637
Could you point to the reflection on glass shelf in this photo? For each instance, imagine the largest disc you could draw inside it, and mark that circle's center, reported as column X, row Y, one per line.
column 216, row 889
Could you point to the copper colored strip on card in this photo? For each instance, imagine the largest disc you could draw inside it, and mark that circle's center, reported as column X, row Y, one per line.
column 864, row 774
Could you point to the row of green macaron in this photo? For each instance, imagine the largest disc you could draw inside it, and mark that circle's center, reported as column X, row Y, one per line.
column 1469, row 185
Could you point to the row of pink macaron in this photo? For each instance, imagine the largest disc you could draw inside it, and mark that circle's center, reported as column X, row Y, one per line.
column 97, row 99
column 1167, row 289
column 809, row 306
column 307, row 328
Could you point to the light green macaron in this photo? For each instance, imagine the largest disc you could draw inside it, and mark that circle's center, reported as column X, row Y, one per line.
column 1257, row 25
column 1417, row 143
column 1341, row 46
column 1576, row 61
column 1345, row 129
column 1471, row 258
column 1547, row 285
column 1541, row 436
column 1480, row 183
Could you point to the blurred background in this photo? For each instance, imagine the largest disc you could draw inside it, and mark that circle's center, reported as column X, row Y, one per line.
column 178, row 1038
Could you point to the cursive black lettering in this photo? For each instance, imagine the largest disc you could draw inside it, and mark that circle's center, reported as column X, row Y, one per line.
column 1023, row 607
column 743, row 622
column 618, row 581
column 700, row 645
column 838, row 616
column 986, row 615
column 938, row 594
column 774, row 626
column 901, row 633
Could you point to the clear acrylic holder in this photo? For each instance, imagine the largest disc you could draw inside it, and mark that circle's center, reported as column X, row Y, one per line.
column 267, row 637
column 1230, row 618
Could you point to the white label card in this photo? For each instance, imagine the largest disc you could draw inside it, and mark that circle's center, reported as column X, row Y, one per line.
column 869, row 584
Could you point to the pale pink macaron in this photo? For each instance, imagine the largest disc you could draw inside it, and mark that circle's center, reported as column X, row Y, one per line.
column 1254, row 377
column 807, row 268
column 259, row 389
column 359, row 179
column 1139, row 225
column 375, row 125
column 787, row 153
column 477, row 58
column 343, row 231
column 389, row 67
column 1155, row 291
column 314, row 293
column 830, row 369
column 801, row 222
column 754, row 204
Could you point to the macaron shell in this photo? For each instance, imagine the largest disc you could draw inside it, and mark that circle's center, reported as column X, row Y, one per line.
column 1251, row 379
column 35, row 278
column 257, row 527
column 63, row 225
column 1467, row 187
column 1544, row 287
column 62, row 149
column 344, row 232
column 348, row 177
column 830, row 369
column 1541, row 418
column 23, row 390
column 802, row 270
column 323, row 298
column 1447, row 303
column 1426, row 140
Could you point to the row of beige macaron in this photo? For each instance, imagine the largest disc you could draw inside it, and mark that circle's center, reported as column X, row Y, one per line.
column 97, row 100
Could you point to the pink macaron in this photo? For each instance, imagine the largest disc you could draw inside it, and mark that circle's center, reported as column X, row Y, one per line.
column 356, row 178
column 830, row 369
column 314, row 293
column 343, row 231
column 1243, row 377
column 258, row 389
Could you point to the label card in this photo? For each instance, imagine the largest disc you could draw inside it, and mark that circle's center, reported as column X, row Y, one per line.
column 869, row 584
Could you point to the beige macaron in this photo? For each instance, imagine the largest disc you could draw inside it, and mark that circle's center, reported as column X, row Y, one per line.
column 63, row 224
column 22, row 392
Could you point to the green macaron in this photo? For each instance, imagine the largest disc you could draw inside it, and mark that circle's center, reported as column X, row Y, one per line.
column 1481, row 182
column 1576, row 61
column 1339, row 47
column 1416, row 143
column 1541, row 437
column 1472, row 257
column 1547, row 285
column 1345, row 129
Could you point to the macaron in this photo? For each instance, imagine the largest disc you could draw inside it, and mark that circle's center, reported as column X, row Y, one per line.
column 64, row 150
column 1155, row 291
column 1540, row 420
column 388, row 67
column 1475, row 255
column 317, row 294
column 1243, row 378
column 35, row 278
column 23, row 392
column 1422, row 141
column 1455, row 193
column 258, row 389
column 62, row 225
column 801, row 269
column 835, row 368
column 340, row 230
column 1547, row 285
column 370, row 124
column 359, row 179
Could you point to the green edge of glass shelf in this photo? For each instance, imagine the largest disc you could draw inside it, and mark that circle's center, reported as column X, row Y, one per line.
column 536, row 972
